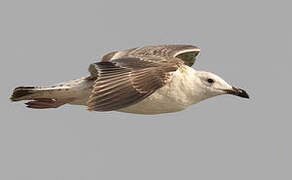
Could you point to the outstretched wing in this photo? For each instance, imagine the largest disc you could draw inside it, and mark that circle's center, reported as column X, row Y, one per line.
column 127, row 81
column 187, row 53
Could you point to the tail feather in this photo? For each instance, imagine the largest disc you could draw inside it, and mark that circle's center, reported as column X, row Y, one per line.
column 22, row 93
column 53, row 96
column 41, row 98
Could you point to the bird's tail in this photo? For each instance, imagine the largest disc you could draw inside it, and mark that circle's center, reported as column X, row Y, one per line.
column 24, row 93
column 42, row 97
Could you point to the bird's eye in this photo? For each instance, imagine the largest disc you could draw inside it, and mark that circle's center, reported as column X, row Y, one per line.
column 210, row 80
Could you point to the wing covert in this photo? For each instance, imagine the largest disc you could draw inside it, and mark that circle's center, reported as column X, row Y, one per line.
column 126, row 81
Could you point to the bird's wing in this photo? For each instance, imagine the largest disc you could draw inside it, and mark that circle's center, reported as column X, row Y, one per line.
column 127, row 81
column 186, row 53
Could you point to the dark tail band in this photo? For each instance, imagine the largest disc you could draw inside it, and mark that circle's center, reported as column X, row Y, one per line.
column 20, row 93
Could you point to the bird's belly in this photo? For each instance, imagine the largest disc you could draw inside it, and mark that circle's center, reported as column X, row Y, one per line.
column 154, row 104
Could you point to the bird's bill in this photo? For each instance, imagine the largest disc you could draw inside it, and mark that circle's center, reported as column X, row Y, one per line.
column 237, row 92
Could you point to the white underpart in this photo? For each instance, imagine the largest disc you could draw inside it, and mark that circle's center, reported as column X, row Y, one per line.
column 80, row 90
column 176, row 95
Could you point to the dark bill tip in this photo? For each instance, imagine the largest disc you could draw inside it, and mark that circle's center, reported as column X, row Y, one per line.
column 238, row 92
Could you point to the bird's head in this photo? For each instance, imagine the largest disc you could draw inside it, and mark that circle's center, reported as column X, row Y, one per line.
column 212, row 85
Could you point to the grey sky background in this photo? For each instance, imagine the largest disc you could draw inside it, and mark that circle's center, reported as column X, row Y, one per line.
column 248, row 43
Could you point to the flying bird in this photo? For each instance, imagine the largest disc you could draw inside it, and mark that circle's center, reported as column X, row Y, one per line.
column 143, row 80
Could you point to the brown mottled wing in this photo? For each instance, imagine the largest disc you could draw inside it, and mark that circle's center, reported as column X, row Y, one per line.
column 187, row 53
column 127, row 81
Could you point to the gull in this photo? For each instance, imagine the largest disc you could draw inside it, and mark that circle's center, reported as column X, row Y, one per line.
column 144, row 80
